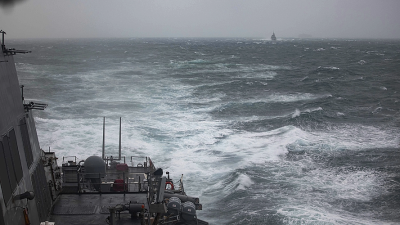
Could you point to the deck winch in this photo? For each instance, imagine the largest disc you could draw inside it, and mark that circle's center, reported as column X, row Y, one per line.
column 174, row 206
column 189, row 211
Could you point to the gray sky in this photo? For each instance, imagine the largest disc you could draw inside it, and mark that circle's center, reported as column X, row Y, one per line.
column 202, row 18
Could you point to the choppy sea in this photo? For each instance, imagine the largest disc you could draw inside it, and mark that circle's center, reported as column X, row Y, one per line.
column 287, row 132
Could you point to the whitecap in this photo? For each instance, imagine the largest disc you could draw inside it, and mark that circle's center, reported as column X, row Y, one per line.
column 377, row 110
column 296, row 113
column 304, row 78
column 313, row 109
column 244, row 182
column 361, row 62
column 276, row 97
column 329, row 68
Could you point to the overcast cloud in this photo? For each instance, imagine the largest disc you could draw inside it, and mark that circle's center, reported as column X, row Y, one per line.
column 202, row 18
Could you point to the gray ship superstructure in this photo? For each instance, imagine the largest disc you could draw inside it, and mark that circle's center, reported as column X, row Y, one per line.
column 104, row 189
column 273, row 37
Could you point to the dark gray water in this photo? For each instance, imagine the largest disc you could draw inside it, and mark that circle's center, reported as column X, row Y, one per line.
column 292, row 132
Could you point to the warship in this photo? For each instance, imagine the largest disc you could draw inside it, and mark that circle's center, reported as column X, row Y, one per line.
column 104, row 189
column 273, row 37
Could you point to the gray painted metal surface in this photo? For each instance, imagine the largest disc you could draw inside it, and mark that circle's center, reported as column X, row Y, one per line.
column 12, row 115
column 93, row 208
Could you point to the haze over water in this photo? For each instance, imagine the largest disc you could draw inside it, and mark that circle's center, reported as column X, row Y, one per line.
column 206, row 18
column 292, row 132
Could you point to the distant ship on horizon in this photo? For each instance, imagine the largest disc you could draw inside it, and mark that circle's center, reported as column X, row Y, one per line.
column 273, row 37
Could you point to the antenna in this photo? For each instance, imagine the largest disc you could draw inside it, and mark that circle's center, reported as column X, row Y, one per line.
column 104, row 134
column 119, row 153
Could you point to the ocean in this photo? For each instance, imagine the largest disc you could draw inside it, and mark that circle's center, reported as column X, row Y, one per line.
column 287, row 132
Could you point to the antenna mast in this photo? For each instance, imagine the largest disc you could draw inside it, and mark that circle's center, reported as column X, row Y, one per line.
column 119, row 153
column 104, row 134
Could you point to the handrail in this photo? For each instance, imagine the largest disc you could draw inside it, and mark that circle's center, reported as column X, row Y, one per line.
column 111, row 181
column 69, row 157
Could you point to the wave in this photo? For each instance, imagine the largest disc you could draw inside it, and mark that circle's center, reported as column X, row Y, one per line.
column 255, row 131
column 317, row 185
column 297, row 112
column 328, row 68
column 281, row 98
column 236, row 183
column 276, row 97
column 218, row 65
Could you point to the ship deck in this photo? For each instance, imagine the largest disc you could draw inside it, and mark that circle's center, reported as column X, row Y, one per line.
column 92, row 208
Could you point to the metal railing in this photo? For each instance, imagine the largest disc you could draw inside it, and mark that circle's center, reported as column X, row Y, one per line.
column 113, row 182
column 134, row 179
